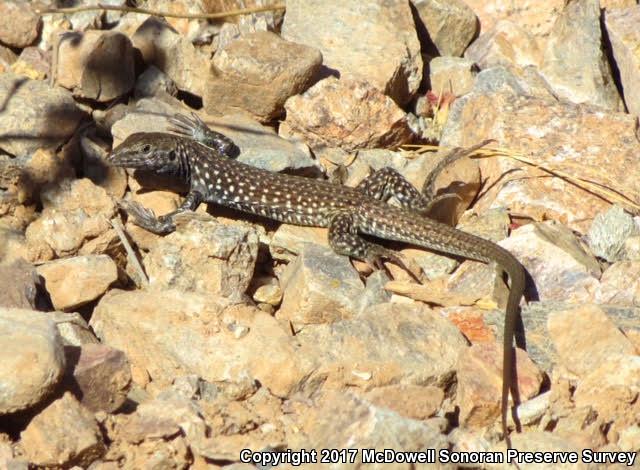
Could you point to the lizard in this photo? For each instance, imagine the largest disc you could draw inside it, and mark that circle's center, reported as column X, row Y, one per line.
column 203, row 159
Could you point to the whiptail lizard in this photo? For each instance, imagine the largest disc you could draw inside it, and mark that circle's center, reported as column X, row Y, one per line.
column 202, row 158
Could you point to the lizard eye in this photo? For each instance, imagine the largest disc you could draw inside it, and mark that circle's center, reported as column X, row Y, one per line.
column 146, row 148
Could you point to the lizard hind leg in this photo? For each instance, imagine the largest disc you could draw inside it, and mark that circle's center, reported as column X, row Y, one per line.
column 345, row 239
column 387, row 183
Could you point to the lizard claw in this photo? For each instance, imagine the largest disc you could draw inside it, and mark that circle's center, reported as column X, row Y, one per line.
column 376, row 260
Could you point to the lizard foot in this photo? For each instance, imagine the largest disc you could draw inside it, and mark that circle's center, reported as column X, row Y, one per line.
column 375, row 259
column 145, row 218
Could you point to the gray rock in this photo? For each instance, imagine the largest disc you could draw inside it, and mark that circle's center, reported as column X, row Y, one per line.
column 319, row 287
column 609, row 231
column 575, row 64
column 204, row 256
column 153, row 81
column 374, row 41
column 18, row 285
column 31, row 358
column 451, row 74
column 257, row 73
column 451, row 25
column 73, row 329
column 35, row 115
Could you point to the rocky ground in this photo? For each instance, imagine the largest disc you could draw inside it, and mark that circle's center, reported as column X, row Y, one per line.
column 237, row 333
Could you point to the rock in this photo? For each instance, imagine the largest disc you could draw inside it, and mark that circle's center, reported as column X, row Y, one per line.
column 73, row 282
column 74, row 211
column 112, row 179
column 536, row 16
column 522, row 81
column 333, row 113
column 451, row 74
column 96, row 65
column 612, row 389
column 480, row 383
column 36, row 116
column 387, row 344
column 32, row 358
column 319, row 287
column 288, row 241
column 98, row 375
column 531, row 411
column 153, row 82
column 268, row 292
column 625, row 43
column 506, row 44
column 632, row 248
column 344, row 421
column 19, row 24
column 18, row 285
column 162, row 46
column 257, row 74
column 620, row 284
column 609, row 232
column 12, row 245
column 543, row 130
column 259, row 145
column 449, row 25
column 171, row 333
column 560, row 267
column 373, row 41
column 575, row 64
column 64, row 434
column 7, row 57
column 204, row 256
column 585, row 338
column 409, row 401
column 33, row 63
column 73, row 329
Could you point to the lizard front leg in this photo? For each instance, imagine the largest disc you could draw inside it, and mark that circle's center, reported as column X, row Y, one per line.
column 164, row 224
column 195, row 128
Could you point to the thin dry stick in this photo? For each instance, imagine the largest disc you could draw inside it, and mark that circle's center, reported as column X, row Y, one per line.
column 193, row 16
column 117, row 226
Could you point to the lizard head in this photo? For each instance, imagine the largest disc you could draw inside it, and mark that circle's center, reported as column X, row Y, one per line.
column 151, row 151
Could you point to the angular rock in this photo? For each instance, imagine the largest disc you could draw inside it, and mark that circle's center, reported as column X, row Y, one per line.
column 480, row 383
column 171, row 333
column 410, row 401
column 575, row 64
column 172, row 53
column 620, row 285
column 74, row 211
column 625, row 43
column 31, row 358
column 153, row 82
column 73, row 282
column 612, row 389
column 96, row 65
column 18, row 285
column 206, row 257
column 585, row 338
column 288, row 241
column 560, row 267
column 257, row 74
column 98, row 375
column 112, row 179
column 344, row 421
column 387, row 344
column 522, row 81
column 374, row 41
column 19, row 24
column 452, row 74
column 320, row 287
column 12, row 245
column 346, row 114
column 576, row 139
column 73, row 329
column 35, row 115
column 63, row 435
column 7, row 57
column 609, row 232
column 505, row 44
column 259, row 145
column 450, row 25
